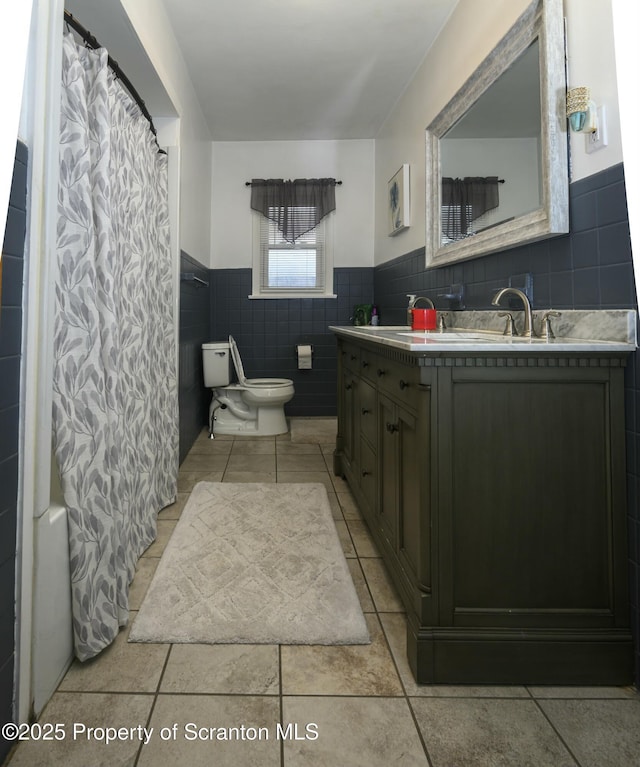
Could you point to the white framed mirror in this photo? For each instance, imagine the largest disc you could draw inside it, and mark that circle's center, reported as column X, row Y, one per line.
column 500, row 145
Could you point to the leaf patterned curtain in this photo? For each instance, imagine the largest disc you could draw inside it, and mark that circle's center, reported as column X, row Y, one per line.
column 297, row 206
column 115, row 411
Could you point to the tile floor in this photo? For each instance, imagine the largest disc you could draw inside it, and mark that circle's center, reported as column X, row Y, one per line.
column 360, row 701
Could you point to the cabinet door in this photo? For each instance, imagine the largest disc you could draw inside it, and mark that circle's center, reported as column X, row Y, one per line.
column 404, row 482
column 410, row 477
column 533, row 523
column 388, row 453
column 348, row 429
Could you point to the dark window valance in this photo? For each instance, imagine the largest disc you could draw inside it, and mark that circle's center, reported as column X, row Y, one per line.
column 464, row 200
column 296, row 206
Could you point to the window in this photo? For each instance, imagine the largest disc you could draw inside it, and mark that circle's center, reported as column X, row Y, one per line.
column 451, row 223
column 283, row 269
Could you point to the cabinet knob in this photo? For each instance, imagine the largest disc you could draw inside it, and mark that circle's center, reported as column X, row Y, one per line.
column 348, row 386
column 365, row 364
column 404, row 384
column 392, row 427
column 381, row 372
column 364, row 411
column 365, row 473
column 354, row 357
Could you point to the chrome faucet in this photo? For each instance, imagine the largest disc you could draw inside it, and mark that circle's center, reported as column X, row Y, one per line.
column 528, row 320
column 413, row 300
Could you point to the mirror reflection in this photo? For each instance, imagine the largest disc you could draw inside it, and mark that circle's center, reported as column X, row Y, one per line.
column 504, row 131
column 491, row 158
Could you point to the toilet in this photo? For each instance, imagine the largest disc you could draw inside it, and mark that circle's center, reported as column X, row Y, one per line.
column 252, row 406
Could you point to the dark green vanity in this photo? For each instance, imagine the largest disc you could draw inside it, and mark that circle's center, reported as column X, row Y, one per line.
column 492, row 478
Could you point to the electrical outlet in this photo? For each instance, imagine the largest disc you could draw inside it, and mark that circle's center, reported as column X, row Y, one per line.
column 598, row 139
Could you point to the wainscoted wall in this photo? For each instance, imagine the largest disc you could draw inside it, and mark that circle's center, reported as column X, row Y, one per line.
column 590, row 268
column 194, row 331
column 10, row 352
column 267, row 332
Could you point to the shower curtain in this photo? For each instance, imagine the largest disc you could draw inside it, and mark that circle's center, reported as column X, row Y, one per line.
column 115, row 407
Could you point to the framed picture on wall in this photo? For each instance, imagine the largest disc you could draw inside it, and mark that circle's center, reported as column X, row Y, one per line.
column 398, row 201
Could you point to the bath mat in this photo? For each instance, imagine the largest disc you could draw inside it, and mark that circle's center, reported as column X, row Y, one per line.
column 253, row 563
column 311, row 430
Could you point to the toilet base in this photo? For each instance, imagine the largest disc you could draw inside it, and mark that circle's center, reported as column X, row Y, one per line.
column 265, row 421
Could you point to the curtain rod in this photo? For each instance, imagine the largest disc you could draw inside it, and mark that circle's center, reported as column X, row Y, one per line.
column 91, row 41
column 337, row 183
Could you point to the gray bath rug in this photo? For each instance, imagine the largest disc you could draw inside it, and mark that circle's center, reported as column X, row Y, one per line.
column 311, row 430
column 255, row 564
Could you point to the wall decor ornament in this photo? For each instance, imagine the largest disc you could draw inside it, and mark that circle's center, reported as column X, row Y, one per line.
column 398, row 201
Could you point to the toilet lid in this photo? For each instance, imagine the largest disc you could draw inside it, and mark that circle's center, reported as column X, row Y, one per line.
column 237, row 362
column 255, row 382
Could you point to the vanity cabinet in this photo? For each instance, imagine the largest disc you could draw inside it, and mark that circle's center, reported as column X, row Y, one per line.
column 494, row 487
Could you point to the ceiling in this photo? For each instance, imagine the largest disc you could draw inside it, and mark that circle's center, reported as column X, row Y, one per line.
column 302, row 69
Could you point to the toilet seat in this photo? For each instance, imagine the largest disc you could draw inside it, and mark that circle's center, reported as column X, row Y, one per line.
column 256, row 383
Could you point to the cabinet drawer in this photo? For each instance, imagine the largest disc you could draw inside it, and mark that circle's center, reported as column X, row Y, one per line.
column 368, row 361
column 368, row 411
column 351, row 358
column 399, row 381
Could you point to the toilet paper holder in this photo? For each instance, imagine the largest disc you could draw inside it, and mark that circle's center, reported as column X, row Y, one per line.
column 304, row 353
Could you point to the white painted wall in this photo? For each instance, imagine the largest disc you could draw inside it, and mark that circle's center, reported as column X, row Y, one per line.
column 234, row 163
column 592, row 62
column 152, row 26
column 626, row 18
column 473, row 29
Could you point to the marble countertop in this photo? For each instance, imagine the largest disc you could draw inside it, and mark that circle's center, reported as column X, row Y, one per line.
column 481, row 331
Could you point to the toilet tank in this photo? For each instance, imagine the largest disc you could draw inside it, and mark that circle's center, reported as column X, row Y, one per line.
column 216, row 364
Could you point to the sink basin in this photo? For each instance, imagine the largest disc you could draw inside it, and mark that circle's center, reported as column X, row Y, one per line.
column 448, row 336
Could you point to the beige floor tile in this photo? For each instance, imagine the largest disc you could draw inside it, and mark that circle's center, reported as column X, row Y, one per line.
column 328, row 448
column 232, row 669
column 341, row 485
column 144, row 573
column 488, row 733
column 87, row 710
column 349, row 506
column 362, row 540
column 203, row 439
column 302, row 462
column 252, row 462
column 291, row 448
column 122, row 667
column 352, row 732
column 598, row 693
column 204, row 462
column 249, row 476
column 341, row 669
column 175, row 510
column 366, row 603
column 395, row 629
column 600, row 733
column 385, row 596
column 306, row 476
column 313, row 429
column 336, row 511
column 254, row 447
column 206, row 446
column 345, row 539
column 165, row 530
column 198, row 747
column 187, row 480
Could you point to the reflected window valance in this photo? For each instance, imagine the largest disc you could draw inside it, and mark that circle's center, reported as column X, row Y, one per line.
column 295, row 206
column 464, row 200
